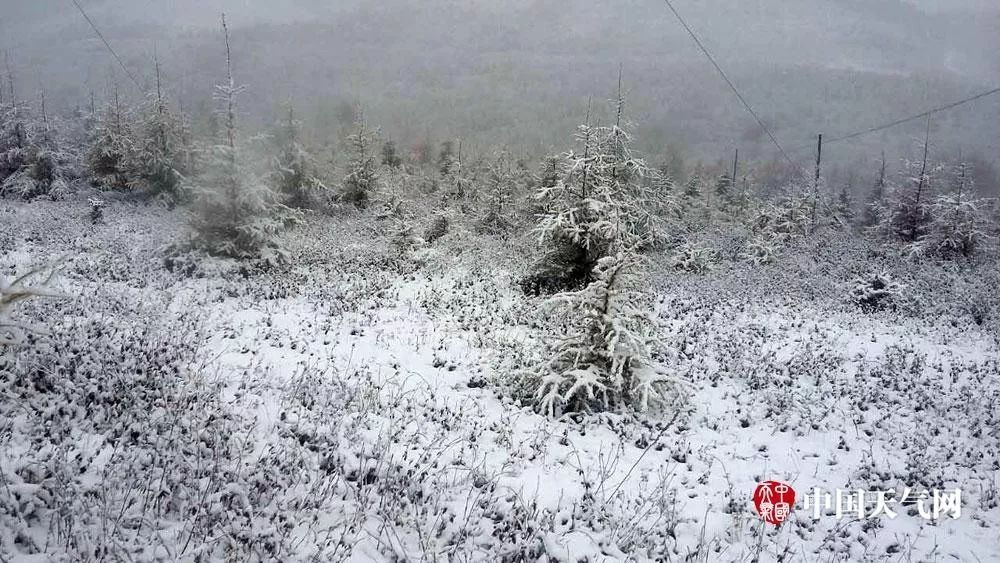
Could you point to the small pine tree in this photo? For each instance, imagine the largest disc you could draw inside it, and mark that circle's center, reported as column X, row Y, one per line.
column 724, row 189
column 361, row 181
column 957, row 225
column 601, row 360
column 844, row 206
column 296, row 172
column 115, row 150
column 500, row 188
column 236, row 214
column 390, row 155
column 908, row 210
column 874, row 207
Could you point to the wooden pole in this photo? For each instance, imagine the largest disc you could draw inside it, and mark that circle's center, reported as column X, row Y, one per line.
column 819, row 163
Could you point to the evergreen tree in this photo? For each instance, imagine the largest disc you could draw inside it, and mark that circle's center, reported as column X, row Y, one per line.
column 844, row 206
column 598, row 206
column 296, row 170
column 236, row 214
column 115, row 152
column 390, row 156
column 876, row 200
column 500, row 188
column 957, row 225
column 361, row 181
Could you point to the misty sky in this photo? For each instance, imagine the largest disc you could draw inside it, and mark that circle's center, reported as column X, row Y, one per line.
column 490, row 70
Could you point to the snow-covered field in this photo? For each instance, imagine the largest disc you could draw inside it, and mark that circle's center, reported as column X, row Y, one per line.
column 356, row 405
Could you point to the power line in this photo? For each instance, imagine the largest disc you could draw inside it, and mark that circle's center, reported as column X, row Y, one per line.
column 729, row 82
column 106, row 44
column 927, row 113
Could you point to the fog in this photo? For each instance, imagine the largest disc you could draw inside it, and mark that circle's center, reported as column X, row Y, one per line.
column 520, row 73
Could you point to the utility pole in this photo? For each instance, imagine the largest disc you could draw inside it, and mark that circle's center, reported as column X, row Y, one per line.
column 736, row 160
column 920, row 183
column 819, row 162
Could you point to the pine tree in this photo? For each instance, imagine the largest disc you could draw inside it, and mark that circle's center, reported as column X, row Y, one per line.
column 874, row 207
column 33, row 161
column 390, row 155
column 296, row 172
column 601, row 360
column 957, row 225
column 361, row 181
column 599, row 205
column 236, row 214
column 724, row 189
column 114, row 151
column 500, row 187
column 162, row 156
column 908, row 212
column 844, row 207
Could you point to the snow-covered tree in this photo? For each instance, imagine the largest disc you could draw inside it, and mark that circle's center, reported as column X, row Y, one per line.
column 957, row 224
column 500, row 185
column 908, row 207
column 163, row 154
column 844, row 206
column 599, row 206
column 361, row 181
column 296, row 171
column 390, row 155
column 601, row 359
column 875, row 205
column 236, row 213
column 33, row 160
column 114, row 153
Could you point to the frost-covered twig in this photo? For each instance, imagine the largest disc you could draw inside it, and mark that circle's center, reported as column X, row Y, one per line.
column 37, row 282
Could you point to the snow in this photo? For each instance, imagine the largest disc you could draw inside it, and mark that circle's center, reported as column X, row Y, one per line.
column 360, row 409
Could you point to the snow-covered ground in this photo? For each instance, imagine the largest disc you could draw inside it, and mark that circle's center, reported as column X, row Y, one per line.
column 355, row 406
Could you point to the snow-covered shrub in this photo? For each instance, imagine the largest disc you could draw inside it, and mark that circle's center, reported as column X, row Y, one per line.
column 601, row 359
column 874, row 292
column 96, row 210
column 693, row 257
column 402, row 236
column 37, row 282
column 760, row 250
column 438, row 228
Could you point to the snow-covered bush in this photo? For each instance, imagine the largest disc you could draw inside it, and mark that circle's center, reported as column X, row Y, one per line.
column 693, row 257
column 437, row 229
column 874, row 292
column 760, row 250
column 601, row 359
